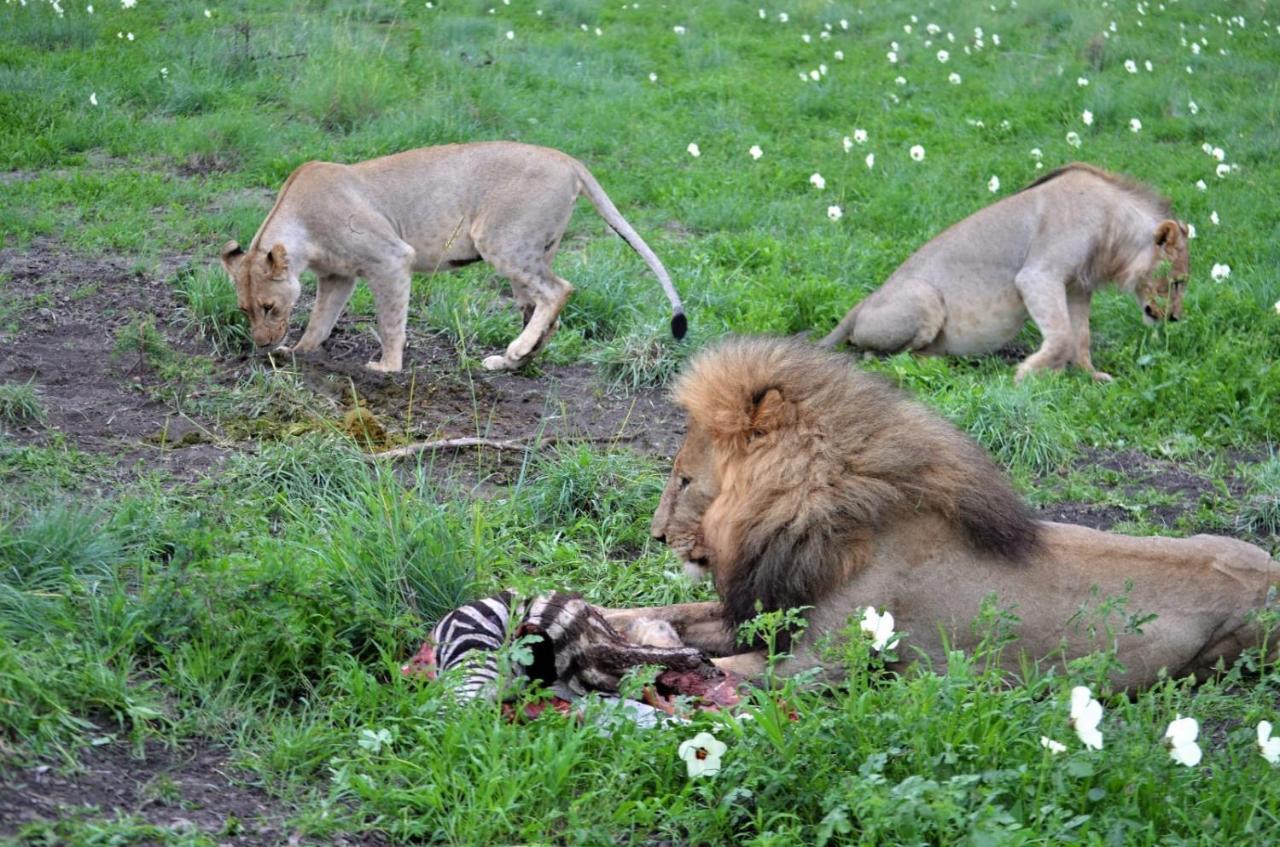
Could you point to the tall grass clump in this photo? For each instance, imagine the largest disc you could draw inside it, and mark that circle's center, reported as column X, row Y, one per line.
column 209, row 307
column 398, row 557
column 1260, row 513
column 311, row 468
column 645, row 357
column 20, row 404
column 1020, row 424
column 575, row 482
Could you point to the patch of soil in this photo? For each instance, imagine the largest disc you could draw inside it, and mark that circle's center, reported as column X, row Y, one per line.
column 192, row 789
column 72, row 308
column 1142, row 473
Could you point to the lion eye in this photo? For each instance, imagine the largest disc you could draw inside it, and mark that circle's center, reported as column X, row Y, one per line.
column 684, row 482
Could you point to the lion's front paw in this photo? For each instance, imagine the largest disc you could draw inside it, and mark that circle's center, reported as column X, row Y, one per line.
column 496, row 363
column 1101, row 376
column 382, row 367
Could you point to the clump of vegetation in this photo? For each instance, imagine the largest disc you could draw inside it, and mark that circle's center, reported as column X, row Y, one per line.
column 1260, row 513
column 20, row 404
column 209, row 307
column 1020, row 424
column 646, row 357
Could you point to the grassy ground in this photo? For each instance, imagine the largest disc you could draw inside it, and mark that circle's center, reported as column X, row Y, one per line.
column 195, row 557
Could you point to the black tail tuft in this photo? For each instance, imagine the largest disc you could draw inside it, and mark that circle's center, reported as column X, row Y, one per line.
column 679, row 325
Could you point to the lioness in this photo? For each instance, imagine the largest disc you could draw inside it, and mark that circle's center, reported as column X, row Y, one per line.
column 1042, row 251
column 426, row 210
column 804, row 482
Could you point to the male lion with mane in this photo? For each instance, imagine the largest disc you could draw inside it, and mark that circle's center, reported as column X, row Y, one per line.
column 1042, row 251
column 806, row 482
column 427, row 210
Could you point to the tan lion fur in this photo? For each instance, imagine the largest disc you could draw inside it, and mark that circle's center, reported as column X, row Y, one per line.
column 1041, row 252
column 426, row 210
column 806, row 482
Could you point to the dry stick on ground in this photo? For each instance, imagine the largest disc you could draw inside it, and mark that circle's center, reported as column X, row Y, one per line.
column 492, row 443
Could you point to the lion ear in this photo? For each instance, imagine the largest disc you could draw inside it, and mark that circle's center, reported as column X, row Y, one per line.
column 772, row 412
column 231, row 254
column 278, row 261
column 1168, row 233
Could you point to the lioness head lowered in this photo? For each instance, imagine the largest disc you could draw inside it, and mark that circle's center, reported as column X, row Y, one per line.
column 265, row 289
column 1159, row 291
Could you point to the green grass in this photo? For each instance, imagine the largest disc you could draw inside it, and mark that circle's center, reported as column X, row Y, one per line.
column 20, row 404
column 268, row 605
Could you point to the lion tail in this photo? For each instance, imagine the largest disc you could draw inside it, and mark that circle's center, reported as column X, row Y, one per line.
column 595, row 193
column 843, row 330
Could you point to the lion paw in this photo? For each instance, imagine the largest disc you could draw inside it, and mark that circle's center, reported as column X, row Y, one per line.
column 1101, row 376
column 496, row 363
column 382, row 367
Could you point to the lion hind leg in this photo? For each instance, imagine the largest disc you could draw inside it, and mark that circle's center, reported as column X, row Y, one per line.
column 547, row 293
column 896, row 320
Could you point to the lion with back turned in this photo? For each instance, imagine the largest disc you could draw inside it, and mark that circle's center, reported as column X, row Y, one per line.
column 804, row 482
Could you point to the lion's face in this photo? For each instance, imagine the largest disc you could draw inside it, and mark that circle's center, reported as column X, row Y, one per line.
column 1160, row 291
column 690, row 490
column 265, row 290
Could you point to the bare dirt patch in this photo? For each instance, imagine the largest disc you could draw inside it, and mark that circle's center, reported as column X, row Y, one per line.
column 186, row 790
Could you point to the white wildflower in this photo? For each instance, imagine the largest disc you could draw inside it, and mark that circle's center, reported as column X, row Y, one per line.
column 93, row 98
column 834, row 213
column 943, row 56
column 1052, row 746
column 993, row 184
column 870, row 160
column 1220, row 272
column 1087, row 117
column 1135, row 125
column 816, row 180
column 892, row 56
column 1147, row 64
column 1222, row 170
column 1086, row 714
column 1082, row 82
column 1193, row 107
column 128, row 4
column 653, row 77
column 783, row 17
column 511, row 35
column 678, row 30
column 815, row 76
column 860, row 136
column 953, row 78
column 900, row 80
column 755, row 152
column 1213, row 217
column 1037, row 153
column 1130, row 66
column 1217, row 153
column 701, row 754
column 1191, row 231
column 880, row 628
column 839, row 55
column 1073, row 139
column 917, row 152
column 1200, row 184
column 1181, row 737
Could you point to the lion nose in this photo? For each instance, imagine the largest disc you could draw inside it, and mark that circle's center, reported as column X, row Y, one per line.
column 1151, row 313
column 1173, row 317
